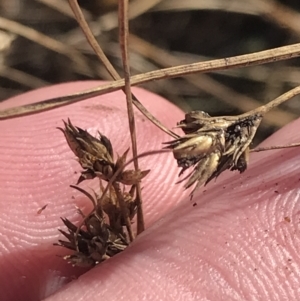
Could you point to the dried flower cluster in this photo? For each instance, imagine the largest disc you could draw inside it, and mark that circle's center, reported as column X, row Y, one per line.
column 106, row 231
column 96, row 157
column 99, row 240
column 213, row 144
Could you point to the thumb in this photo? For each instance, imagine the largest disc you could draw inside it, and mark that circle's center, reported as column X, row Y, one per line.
column 240, row 242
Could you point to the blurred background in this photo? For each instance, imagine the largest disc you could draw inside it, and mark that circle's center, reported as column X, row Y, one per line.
column 41, row 44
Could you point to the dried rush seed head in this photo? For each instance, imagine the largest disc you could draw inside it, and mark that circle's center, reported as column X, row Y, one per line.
column 94, row 244
column 213, row 144
column 102, row 234
column 96, row 156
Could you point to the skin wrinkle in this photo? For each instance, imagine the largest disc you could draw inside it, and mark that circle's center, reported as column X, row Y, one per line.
column 227, row 267
column 190, row 238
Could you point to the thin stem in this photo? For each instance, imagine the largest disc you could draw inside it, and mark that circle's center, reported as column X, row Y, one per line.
column 276, row 102
column 120, row 169
column 206, row 83
column 85, row 193
column 124, row 210
column 123, row 40
column 85, row 218
column 114, row 74
column 92, row 41
column 246, row 60
column 109, row 185
column 109, row 67
column 46, row 41
column 268, row 148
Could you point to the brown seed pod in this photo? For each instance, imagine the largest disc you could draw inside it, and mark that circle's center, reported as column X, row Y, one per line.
column 96, row 239
column 96, row 156
column 213, row 144
column 93, row 245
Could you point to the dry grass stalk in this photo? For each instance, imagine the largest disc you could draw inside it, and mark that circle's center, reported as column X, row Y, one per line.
column 78, row 59
column 123, row 38
column 253, row 59
column 206, row 83
column 263, row 149
column 101, row 55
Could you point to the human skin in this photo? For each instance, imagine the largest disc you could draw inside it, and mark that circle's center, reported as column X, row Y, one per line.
column 240, row 242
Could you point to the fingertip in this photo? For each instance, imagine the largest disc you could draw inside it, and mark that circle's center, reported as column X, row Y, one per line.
column 37, row 168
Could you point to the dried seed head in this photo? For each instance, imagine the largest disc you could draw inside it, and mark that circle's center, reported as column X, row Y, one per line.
column 191, row 148
column 96, row 157
column 102, row 235
column 106, row 230
column 92, row 245
column 213, row 144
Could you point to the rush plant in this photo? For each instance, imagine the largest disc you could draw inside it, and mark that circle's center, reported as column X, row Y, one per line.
column 208, row 147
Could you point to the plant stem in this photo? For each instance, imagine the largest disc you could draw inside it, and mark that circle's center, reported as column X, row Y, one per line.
column 123, row 40
column 246, row 60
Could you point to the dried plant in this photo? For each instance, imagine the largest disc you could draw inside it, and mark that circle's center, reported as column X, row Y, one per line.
column 210, row 145
column 100, row 239
column 97, row 158
column 114, row 208
column 213, row 145
column 246, row 60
